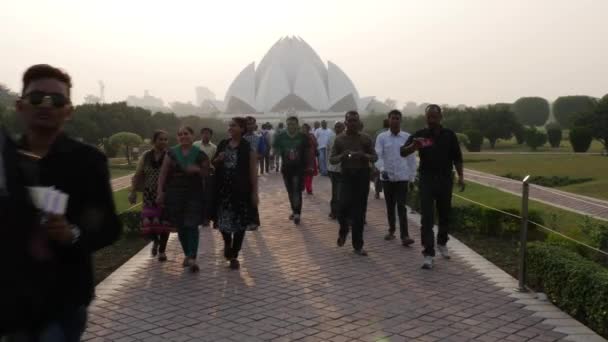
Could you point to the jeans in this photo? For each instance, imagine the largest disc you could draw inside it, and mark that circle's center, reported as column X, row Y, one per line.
column 69, row 327
column 395, row 195
column 294, row 183
column 354, row 189
column 188, row 238
column 265, row 163
column 335, row 192
column 323, row 161
column 435, row 192
column 232, row 244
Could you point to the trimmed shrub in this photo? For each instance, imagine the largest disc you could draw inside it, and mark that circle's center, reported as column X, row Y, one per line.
column 475, row 141
column 462, row 139
column 577, row 286
column 477, row 220
column 580, row 139
column 518, row 132
column 554, row 134
column 131, row 222
column 551, row 182
column 535, row 138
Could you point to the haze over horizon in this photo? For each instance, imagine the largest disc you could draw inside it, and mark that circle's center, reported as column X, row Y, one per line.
column 445, row 51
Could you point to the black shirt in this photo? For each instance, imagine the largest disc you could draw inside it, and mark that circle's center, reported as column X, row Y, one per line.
column 441, row 152
column 81, row 171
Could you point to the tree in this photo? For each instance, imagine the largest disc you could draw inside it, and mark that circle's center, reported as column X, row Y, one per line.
column 127, row 140
column 7, row 97
column 390, row 103
column 580, row 139
column 554, row 135
column 567, row 108
column 456, row 119
column 519, row 133
column 599, row 129
column 531, row 111
column 535, row 138
column 494, row 122
column 475, row 140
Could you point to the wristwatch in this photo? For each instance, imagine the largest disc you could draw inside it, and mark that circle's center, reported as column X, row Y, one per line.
column 75, row 233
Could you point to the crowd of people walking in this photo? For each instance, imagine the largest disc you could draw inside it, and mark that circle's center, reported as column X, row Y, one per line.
column 196, row 184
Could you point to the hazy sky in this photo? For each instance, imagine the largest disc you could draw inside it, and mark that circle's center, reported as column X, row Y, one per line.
column 444, row 51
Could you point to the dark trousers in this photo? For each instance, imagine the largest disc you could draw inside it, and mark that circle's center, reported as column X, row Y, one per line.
column 209, row 199
column 395, row 195
column 354, row 189
column 232, row 244
column 378, row 184
column 160, row 241
column 294, row 182
column 435, row 192
column 69, row 327
column 335, row 192
column 265, row 163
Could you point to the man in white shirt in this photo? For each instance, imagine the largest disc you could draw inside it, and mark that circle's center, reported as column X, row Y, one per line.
column 323, row 136
column 334, row 171
column 396, row 173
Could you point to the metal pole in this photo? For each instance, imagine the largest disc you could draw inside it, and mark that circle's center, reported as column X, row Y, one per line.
column 524, row 235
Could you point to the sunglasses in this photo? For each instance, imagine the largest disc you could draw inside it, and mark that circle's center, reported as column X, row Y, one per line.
column 36, row 98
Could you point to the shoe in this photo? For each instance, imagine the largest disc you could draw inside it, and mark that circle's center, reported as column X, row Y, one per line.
column 194, row 267
column 443, row 250
column 296, row 218
column 186, row 262
column 406, row 242
column 235, row 264
column 252, row 227
column 341, row 241
column 360, row 252
column 332, row 216
column 389, row 237
column 428, row 263
column 291, row 217
column 309, row 192
column 377, row 196
column 226, row 253
column 154, row 250
column 162, row 257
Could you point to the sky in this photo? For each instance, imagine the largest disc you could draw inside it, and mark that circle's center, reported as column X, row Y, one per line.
column 444, row 51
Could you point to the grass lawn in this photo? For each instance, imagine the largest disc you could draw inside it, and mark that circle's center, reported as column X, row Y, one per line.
column 107, row 260
column 512, row 146
column 116, row 173
column 574, row 166
column 566, row 222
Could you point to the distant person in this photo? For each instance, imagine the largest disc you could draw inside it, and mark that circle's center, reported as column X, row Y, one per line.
column 209, row 149
column 257, row 145
column 316, row 126
column 154, row 224
column 396, row 173
column 323, row 135
column 439, row 153
column 293, row 146
column 266, row 141
column 376, row 173
column 334, row 171
column 180, row 192
column 354, row 151
column 236, row 189
column 313, row 151
column 277, row 156
column 65, row 243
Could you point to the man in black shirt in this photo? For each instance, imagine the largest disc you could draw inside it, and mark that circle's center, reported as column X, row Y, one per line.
column 66, row 241
column 439, row 152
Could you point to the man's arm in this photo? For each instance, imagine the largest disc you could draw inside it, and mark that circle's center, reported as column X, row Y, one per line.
column 380, row 152
column 456, row 155
column 409, row 147
column 98, row 223
column 337, row 153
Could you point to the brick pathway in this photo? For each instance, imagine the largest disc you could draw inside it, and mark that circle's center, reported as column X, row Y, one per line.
column 577, row 203
column 295, row 284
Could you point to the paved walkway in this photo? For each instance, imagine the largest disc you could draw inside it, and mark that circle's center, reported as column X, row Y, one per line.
column 566, row 200
column 295, row 284
column 121, row 182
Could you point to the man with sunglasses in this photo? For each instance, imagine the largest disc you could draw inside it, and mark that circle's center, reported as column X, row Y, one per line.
column 89, row 222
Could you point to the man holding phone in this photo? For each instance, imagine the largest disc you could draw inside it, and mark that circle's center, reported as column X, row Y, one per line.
column 396, row 174
column 354, row 152
column 439, row 153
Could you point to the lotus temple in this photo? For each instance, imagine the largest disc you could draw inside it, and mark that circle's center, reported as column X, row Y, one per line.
column 292, row 79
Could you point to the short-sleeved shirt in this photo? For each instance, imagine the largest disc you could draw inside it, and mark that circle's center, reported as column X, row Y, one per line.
column 359, row 142
column 440, row 151
column 293, row 151
column 254, row 141
column 209, row 149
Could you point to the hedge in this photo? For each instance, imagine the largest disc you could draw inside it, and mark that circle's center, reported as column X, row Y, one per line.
column 131, row 222
column 576, row 285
